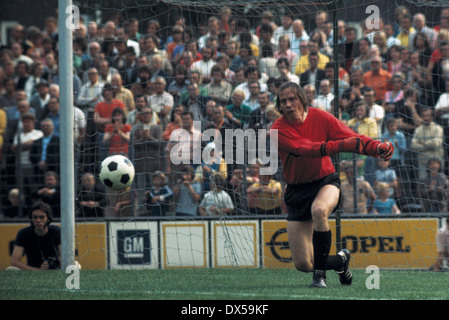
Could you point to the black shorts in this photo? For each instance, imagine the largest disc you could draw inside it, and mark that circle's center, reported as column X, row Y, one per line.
column 299, row 197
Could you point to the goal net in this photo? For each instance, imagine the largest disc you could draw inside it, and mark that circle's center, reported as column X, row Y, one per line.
column 187, row 91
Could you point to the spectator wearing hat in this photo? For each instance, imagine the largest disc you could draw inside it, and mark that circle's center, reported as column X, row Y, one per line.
column 40, row 99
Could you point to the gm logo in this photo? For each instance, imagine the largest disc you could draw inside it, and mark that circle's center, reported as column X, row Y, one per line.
column 134, row 247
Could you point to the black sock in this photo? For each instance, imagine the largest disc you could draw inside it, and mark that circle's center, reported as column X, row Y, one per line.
column 322, row 241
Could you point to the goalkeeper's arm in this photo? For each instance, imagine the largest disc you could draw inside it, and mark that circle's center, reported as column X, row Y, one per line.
column 357, row 144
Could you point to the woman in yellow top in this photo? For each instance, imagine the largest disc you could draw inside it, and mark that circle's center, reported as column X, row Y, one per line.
column 268, row 195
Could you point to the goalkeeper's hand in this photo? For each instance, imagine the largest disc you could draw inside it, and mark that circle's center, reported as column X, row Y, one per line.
column 385, row 150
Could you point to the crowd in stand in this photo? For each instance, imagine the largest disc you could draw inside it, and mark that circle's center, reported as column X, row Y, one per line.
column 134, row 86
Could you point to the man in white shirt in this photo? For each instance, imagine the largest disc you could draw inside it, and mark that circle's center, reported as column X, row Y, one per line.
column 286, row 28
column 205, row 65
column 324, row 100
column 23, row 140
column 161, row 101
column 91, row 92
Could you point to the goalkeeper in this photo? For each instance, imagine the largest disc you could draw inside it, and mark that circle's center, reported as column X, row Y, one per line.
column 307, row 137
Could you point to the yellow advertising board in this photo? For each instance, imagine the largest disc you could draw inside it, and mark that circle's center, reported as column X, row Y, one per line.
column 385, row 243
column 90, row 243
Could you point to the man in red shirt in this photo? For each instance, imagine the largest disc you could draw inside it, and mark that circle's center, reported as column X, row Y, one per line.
column 378, row 78
column 103, row 116
column 307, row 137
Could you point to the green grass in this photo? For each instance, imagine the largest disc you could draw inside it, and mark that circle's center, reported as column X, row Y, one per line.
column 218, row 284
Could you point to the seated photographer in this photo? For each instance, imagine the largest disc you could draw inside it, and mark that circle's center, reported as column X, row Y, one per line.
column 40, row 242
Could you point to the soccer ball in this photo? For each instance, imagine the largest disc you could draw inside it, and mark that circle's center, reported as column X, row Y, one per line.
column 117, row 172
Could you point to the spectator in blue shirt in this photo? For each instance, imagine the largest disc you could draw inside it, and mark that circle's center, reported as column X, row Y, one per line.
column 187, row 193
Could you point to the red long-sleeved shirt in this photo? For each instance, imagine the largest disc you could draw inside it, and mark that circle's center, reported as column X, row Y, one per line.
column 298, row 145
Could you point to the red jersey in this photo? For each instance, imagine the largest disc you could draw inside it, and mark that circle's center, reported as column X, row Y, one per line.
column 104, row 109
column 294, row 139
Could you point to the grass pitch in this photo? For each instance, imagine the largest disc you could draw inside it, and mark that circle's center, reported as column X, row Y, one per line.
column 218, row 284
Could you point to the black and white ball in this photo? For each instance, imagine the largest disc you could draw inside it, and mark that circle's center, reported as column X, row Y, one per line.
column 117, row 172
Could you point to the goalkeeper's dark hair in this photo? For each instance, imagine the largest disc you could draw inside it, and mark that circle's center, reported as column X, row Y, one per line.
column 296, row 89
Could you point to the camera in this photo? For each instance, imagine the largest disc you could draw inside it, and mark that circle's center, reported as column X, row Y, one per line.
column 53, row 263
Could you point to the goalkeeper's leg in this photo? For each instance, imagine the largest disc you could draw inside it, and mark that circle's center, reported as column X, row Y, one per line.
column 310, row 240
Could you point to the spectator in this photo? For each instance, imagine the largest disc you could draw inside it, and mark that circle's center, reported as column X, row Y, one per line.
column 103, row 117
column 129, row 70
column 40, row 242
column 147, row 152
column 21, row 146
column 14, row 205
column 364, row 54
column 122, row 94
column 385, row 204
column 303, row 63
column 224, row 61
column 313, row 75
column 117, row 133
column 378, row 79
column 158, row 71
column 419, row 23
column 92, row 198
column 406, row 30
column 385, row 174
column 283, row 65
column 428, row 142
column 237, row 112
column 40, row 99
column 120, row 203
column 52, row 111
column 433, row 189
column 196, row 103
column 342, row 84
column 393, row 135
column 252, row 100
column 175, row 121
column 8, row 97
column 216, row 201
column 355, row 189
column 268, row 195
column 252, row 73
column 44, row 152
column 161, row 101
column 376, row 111
column 50, row 192
column 286, row 27
column 140, row 102
column 258, row 117
column 143, row 85
column 284, row 50
column 211, row 165
column 91, row 92
column 206, row 64
column 179, row 83
column 324, row 100
column 219, row 89
column 299, row 35
column 397, row 92
column 159, row 196
column 421, row 46
column 187, row 193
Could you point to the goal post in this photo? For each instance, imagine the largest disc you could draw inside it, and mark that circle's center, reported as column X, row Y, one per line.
column 67, row 179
